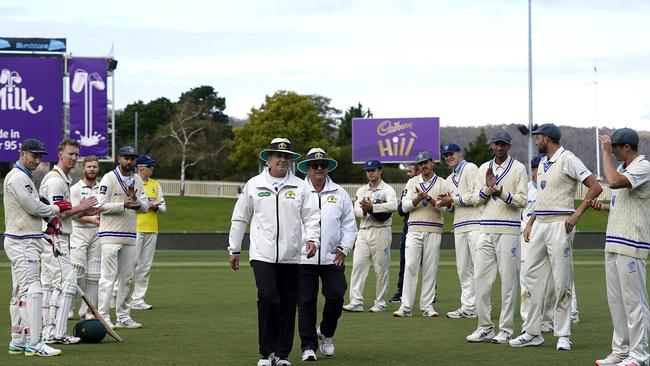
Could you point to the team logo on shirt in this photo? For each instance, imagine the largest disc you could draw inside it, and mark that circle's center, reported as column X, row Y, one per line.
column 102, row 189
column 542, row 184
column 613, row 200
column 632, row 266
column 29, row 188
column 290, row 195
column 331, row 199
column 567, row 251
column 263, row 194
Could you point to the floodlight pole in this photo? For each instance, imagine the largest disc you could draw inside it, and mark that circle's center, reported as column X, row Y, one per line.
column 596, row 121
column 530, row 89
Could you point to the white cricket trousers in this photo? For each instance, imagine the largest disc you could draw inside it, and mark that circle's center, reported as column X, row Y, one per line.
column 628, row 303
column 118, row 264
column 465, row 246
column 549, row 293
column 145, row 248
column 549, row 253
column 26, row 296
column 372, row 246
column 421, row 249
column 497, row 252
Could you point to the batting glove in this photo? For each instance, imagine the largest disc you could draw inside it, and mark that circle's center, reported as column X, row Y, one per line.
column 63, row 205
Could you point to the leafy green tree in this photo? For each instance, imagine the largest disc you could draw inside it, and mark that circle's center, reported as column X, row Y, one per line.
column 284, row 114
column 478, row 151
column 347, row 172
column 328, row 114
column 150, row 117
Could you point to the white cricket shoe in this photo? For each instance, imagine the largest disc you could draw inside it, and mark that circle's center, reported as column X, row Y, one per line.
column 402, row 313
column 430, row 313
column 41, row 349
column 460, row 313
column 266, row 361
column 527, row 340
column 282, row 362
column 611, row 360
column 563, row 344
column 16, row 348
column 141, row 305
column 309, row 355
column 353, row 308
column 110, row 324
column 630, row 361
column 481, row 335
column 127, row 323
column 325, row 344
column 575, row 318
column 502, row 338
column 377, row 309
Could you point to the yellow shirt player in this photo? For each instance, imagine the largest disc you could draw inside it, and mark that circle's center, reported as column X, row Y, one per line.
column 147, row 232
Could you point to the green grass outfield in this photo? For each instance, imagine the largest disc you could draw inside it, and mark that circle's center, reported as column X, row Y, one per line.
column 195, row 214
column 205, row 314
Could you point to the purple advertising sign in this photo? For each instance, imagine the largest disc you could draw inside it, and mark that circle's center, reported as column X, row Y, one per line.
column 31, row 104
column 88, row 100
column 394, row 140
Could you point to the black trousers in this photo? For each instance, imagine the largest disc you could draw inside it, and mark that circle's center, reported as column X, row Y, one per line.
column 277, row 291
column 334, row 286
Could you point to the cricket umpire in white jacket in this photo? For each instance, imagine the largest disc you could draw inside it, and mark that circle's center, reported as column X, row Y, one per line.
column 337, row 235
column 277, row 204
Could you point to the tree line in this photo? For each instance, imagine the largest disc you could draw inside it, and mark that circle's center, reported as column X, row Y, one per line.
column 191, row 138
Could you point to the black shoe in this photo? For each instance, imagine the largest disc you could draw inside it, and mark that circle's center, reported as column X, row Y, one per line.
column 396, row 298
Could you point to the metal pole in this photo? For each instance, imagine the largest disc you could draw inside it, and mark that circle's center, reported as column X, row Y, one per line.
column 596, row 121
column 136, row 130
column 530, row 89
column 113, row 143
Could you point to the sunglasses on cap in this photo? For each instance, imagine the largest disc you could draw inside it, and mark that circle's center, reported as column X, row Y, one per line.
column 318, row 164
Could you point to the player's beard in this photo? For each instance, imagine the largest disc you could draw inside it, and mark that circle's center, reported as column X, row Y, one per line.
column 90, row 177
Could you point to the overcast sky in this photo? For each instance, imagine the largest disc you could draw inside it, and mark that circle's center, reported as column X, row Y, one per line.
column 464, row 61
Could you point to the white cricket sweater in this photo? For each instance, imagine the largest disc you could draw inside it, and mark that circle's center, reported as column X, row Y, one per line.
column 55, row 186
column 425, row 216
column 23, row 210
column 501, row 215
column 117, row 225
column 628, row 225
column 383, row 198
column 461, row 184
column 556, row 189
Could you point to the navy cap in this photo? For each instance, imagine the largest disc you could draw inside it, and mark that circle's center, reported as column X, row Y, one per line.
column 372, row 164
column 624, row 136
column 128, row 151
column 423, row 156
column 534, row 163
column 34, row 146
column 145, row 160
column 501, row 136
column 549, row 130
column 449, row 149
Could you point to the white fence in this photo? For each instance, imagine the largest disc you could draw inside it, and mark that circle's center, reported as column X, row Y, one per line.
column 171, row 187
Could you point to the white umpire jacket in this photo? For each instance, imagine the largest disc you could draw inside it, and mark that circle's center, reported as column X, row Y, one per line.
column 337, row 226
column 276, row 216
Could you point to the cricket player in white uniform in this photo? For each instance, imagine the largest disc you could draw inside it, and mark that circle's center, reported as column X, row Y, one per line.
column 23, row 244
column 121, row 195
column 422, row 247
column 337, row 235
column 549, row 294
column 550, row 232
column 501, row 190
column 145, row 245
column 626, row 247
column 459, row 184
column 283, row 214
column 84, row 241
column 58, row 268
column 373, row 204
